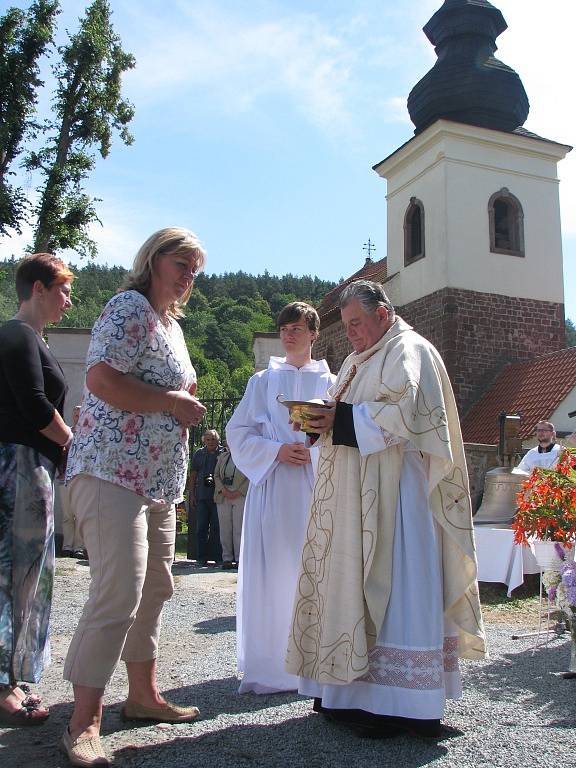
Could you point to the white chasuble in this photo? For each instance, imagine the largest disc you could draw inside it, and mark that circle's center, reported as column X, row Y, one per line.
column 353, row 546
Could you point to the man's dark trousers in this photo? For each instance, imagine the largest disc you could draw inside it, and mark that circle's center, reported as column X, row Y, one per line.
column 207, row 531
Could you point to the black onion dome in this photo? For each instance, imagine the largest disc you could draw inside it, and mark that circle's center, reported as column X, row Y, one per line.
column 468, row 84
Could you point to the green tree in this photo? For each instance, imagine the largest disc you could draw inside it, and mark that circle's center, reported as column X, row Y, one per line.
column 570, row 333
column 24, row 36
column 218, row 329
column 238, row 380
column 8, row 300
column 88, row 109
column 279, row 300
column 210, row 387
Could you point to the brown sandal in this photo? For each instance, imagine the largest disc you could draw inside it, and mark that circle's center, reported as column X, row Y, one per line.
column 28, row 713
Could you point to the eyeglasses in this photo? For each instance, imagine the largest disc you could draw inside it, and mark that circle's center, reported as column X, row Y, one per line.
column 186, row 269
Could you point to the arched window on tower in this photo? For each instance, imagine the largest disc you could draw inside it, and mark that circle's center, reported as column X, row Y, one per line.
column 413, row 232
column 506, row 222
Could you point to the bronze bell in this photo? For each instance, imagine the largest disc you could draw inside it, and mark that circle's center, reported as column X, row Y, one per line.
column 499, row 501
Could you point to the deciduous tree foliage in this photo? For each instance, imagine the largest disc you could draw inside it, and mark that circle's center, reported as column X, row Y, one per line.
column 24, row 37
column 88, row 110
column 218, row 328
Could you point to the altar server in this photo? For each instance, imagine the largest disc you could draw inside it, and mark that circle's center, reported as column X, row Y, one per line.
column 278, row 464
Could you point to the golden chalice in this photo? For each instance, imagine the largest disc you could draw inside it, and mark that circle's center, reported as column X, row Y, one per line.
column 300, row 411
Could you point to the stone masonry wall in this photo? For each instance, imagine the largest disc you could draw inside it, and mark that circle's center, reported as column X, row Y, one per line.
column 332, row 344
column 477, row 334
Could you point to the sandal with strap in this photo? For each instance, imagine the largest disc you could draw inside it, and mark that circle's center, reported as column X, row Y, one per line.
column 31, row 698
column 27, row 714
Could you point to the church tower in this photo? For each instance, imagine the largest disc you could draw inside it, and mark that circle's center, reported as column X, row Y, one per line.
column 474, row 253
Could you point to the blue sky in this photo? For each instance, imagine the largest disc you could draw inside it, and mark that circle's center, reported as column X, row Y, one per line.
column 258, row 123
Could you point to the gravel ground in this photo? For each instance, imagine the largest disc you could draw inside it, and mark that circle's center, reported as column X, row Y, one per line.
column 516, row 711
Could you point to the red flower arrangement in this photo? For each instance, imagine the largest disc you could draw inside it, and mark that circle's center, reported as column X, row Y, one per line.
column 547, row 503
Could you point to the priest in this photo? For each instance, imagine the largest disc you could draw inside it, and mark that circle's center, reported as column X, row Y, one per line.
column 387, row 597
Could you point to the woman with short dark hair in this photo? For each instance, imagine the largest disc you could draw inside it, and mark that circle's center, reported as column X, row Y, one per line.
column 33, row 442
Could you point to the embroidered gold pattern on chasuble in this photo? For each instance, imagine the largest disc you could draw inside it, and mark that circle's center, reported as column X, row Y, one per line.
column 345, row 579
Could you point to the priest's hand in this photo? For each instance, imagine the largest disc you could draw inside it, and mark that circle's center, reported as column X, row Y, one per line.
column 294, row 453
column 321, row 420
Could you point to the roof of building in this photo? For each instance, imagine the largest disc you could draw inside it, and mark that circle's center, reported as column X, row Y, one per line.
column 467, row 83
column 329, row 306
column 534, row 389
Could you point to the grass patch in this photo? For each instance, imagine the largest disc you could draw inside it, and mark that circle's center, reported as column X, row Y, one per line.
column 520, row 609
column 182, row 543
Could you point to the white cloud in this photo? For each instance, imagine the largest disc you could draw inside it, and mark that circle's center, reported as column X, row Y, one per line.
column 237, row 61
column 325, row 66
column 539, row 46
column 118, row 239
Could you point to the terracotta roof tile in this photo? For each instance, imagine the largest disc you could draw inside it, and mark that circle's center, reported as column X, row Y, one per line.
column 534, row 389
column 371, row 270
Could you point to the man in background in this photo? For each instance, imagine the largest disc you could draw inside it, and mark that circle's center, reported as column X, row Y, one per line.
column 230, row 495
column 201, row 489
column 545, row 454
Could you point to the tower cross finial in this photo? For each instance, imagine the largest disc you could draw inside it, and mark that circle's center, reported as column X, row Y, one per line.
column 368, row 248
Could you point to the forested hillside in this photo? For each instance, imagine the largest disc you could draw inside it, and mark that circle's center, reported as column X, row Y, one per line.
column 223, row 313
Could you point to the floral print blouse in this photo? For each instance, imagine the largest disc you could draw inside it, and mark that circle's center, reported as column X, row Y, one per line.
column 144, row 452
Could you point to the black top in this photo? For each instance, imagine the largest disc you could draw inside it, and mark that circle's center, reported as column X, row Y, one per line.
column 32, row 386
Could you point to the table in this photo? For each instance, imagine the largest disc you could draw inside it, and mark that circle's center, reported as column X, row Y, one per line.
column 499, row 559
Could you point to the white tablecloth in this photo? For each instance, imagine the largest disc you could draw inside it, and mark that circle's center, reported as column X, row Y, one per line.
column 499, row 559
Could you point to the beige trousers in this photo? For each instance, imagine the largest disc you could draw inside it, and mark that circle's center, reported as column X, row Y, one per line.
column 131, row 544
column 230, row 515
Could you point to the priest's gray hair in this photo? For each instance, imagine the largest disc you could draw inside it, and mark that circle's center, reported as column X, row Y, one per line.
column 371, row 295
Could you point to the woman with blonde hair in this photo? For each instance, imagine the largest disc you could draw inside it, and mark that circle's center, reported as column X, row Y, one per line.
column 33, row 442
column 126, row 471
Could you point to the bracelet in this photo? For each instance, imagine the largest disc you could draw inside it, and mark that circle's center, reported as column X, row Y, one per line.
column 68, row 441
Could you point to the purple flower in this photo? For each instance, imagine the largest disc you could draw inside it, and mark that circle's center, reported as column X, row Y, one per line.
column 552, row 593
column 568, row 573
column 560, row 550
